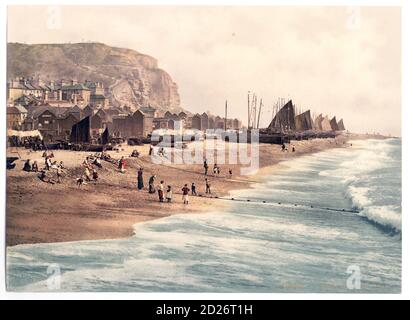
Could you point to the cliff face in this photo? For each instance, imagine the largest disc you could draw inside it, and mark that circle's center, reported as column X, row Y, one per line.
column 130, row 78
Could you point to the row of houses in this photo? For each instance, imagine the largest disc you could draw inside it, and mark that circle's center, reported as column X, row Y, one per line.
column 204, row 122
column 30, row 91
column 55, row 123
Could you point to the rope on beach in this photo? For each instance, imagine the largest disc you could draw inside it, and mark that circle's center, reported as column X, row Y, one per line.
column 288, row 204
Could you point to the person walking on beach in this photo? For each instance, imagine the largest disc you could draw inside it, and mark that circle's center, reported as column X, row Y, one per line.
column 185, row 193
column 230, row 173
column 193, row 189
column 169, row 194
column 140, row 179
column 151, row 182
column 151, row 149
column 293, row 149
column 208, row 186
column 161, row 191
column 283, row 147
column 215, row 169
column 206, row 166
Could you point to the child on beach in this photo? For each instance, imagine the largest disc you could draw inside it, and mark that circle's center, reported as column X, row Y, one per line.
column 34, row 167
column 95, row 175
column 59, row 174
column 169, row 194
column 185, row 192
column 121, row 165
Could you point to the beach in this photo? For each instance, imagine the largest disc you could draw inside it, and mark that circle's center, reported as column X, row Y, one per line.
column 39, row 212
column 328, row 221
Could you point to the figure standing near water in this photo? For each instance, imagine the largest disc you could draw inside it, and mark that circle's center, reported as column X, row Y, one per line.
column 151, row 184
column 140, row 179
column 207, row 186
column 206, row 166
column 169, row 194
column 185, row 194
column 193, row 189
column 161, row 191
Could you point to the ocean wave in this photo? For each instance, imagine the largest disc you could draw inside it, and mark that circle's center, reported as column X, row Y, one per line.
column 384, row 215
column 359, row 196
column 388, row 215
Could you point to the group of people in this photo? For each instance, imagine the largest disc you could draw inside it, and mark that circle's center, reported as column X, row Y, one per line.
column 30, row 167
column 90, row 173
column 286, row 149
column 166, row 194
column 216, row 169
column 48, row 166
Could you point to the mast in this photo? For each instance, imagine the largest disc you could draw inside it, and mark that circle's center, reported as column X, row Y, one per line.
column 254, row 111
column 226, row 111
column 273, row 110
column 248, row 110
column 259, row 115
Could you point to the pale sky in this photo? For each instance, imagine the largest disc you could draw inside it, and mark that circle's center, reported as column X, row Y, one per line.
column 334, row 60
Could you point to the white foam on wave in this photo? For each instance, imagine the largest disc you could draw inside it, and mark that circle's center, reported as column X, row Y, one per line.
column 389, row 216
column 385, row 215
column 359, row 196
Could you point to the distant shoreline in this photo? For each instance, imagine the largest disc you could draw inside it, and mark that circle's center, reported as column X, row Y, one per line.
column 38, row 212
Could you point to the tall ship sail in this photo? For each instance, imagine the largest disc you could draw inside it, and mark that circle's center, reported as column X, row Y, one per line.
column 333, row 124
column 284, row 120
column 341, row 125
column 325, row 124
column 303, row 121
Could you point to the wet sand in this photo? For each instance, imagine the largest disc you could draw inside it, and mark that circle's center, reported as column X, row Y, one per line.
column 39, row 212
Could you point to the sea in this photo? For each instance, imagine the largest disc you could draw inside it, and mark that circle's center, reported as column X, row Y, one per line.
column 328, row 222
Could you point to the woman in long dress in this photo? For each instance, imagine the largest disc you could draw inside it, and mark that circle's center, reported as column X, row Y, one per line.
column 140, row 179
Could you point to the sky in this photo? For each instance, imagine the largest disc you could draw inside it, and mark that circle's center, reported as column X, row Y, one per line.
column 340, row 61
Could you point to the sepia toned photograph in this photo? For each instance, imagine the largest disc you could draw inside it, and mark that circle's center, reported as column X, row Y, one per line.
column 203, row 149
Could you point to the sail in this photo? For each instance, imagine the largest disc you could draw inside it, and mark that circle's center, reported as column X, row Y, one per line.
column 333, row 124
column 285, row 118
column 303, row 121
column 325, row 124
column 105, row 136
column 80, row 132
column 318, row 122
column 341, row 125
